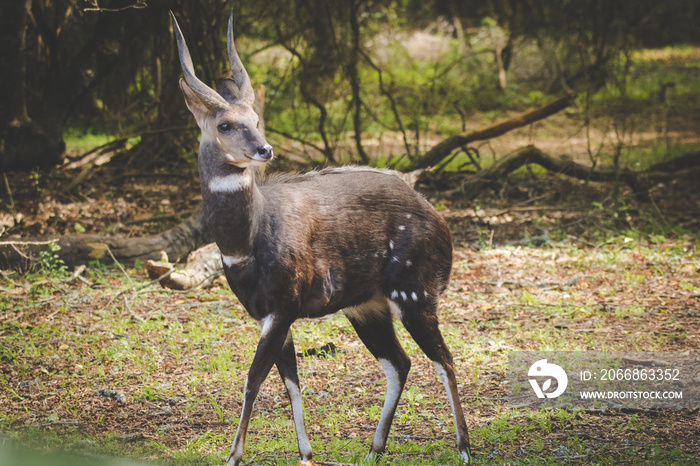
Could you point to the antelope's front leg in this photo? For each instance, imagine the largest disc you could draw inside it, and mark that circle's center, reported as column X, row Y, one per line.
column 272, row 339
column 287, row 366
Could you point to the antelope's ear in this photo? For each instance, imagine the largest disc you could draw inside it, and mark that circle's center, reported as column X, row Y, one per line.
column 194, row 103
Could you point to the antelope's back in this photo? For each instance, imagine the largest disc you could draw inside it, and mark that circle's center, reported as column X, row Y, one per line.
column 361, row 229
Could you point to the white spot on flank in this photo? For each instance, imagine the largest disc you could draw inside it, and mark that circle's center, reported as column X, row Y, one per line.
column 404, row 296
column 230, row 261
column 408, row 215
column 394, row 259
column 391, row 245
column 394, row 294
column 409, row 263
column 230, row 183
column 402, row 228
column 425, row 293
column 414, row 296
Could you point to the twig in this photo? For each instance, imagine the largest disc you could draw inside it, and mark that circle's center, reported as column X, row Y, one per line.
column 80, row 160
column 137, row 289
column 392, row 104
column 9, row 192
column 201, row 303
column 131, row 312
column 542, row 284
column 162, row 218
column 658, row 211
column 27, row 243
column 4, row 275
column 119, row 265
column 138, row 5
column 295, row 138
column 331, row 463
column 576, row 238
column 60, row 423
column 76, row 275
column 262, row 453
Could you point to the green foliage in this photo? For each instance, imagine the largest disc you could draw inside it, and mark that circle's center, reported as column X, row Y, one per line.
column 51, row 262
column 410, row 69
column 83, row 141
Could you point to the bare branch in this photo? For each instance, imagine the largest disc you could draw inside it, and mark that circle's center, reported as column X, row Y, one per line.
column 96, row 7
column 445, row 148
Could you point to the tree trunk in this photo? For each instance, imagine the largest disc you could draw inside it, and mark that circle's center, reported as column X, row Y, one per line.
column 31, row 133
column 23, row 143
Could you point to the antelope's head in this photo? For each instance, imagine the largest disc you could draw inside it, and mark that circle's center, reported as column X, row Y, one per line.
column 230, row 127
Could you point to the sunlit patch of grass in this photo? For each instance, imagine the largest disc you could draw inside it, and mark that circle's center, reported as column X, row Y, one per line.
column 85, row 141
column 686, row 53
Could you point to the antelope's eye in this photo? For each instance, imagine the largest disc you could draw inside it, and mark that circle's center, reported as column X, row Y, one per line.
column 225, row 127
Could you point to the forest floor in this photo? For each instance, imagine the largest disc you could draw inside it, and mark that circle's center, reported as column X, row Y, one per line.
column 109, row 363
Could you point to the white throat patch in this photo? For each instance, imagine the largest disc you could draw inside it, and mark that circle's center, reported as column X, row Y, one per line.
column 230, row 183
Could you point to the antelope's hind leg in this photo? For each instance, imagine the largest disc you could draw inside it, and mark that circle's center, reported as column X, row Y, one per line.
column 376, row 331
column 419, row 316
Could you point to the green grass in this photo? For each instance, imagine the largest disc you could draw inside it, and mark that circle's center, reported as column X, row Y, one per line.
column 84, row 141
column 180, row 360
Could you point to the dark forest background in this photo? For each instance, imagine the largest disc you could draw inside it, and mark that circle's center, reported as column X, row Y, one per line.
column 337, row 73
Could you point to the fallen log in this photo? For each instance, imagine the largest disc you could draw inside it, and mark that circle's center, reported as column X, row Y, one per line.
column 176, row 242
column 639, row 182
column 445, row 148
column 203, row 267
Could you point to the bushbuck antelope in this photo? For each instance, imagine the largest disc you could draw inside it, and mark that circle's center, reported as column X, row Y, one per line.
column 354, row 239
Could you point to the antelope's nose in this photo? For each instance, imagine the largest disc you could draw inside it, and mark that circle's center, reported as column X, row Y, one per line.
column 264, row 152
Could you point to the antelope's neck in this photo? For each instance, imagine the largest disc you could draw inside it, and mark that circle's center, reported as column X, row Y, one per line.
column 232, row 202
